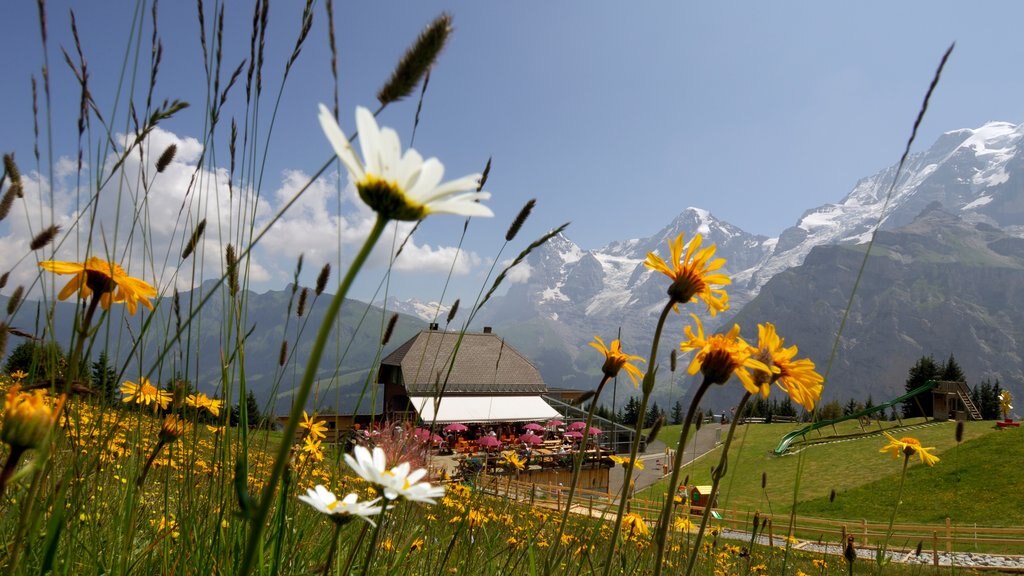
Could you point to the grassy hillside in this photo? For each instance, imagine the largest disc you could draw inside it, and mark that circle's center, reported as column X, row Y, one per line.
column 965, row 485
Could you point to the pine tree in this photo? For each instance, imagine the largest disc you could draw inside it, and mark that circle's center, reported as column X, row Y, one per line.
column 924, row 370
column 104, row 380
column 951, row 371
column 631, row 413
column 677, row 412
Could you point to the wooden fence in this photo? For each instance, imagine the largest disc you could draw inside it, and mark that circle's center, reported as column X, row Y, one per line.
column 947, row 536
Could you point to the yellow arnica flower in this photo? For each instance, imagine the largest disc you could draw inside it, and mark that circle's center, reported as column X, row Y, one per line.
column 171, row 429
column 720, row 356
column 106, row 279
column 200, row 401
column 145, row 393
column 692, row 273
column 400, row 186
column 19, row 375
column 514, row 459
column 634, row 526
column 317, row 430
column 637, row 464
column 615, row 359
column 907, row 447
column 796, row 377
column 27, row 418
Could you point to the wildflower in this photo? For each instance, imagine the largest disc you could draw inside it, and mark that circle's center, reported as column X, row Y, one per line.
column 400, row 186
column 341, row 511
column 692, row 274
column 615, row 359
column 102, row 277
column 416, row 545
column 635, row 525
column 19, row 375
column 722, row 355
column 398, row 482
column 819, row 564
column 476, row 519
column 796, row 377
column 312, row 447
column 27, row 418
column 907, row 447
column 145, row 393
column 514, row 460
column 682, row 523
column 316, row 429
column 637, row 464
column 171, row 429
column 200, row 401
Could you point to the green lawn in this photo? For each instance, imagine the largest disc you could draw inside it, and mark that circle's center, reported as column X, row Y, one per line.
column 966, row 485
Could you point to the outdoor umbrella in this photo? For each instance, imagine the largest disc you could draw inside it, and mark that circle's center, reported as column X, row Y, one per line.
column 531, row 438
column 577, row 426
column 555, row 423
column 455, row 428
column 594, row 431
column 421, row 434
column 573, row 434
column 533, row 426
column 488, row 442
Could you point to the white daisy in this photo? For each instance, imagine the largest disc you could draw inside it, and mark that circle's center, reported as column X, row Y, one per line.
column 341, row 510
column 400, row 186
column 398, row 482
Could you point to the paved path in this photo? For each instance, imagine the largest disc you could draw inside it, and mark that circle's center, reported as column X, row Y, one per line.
column 654, row 458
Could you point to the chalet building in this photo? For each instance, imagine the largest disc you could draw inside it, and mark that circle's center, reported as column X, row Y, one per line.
column 489, row 381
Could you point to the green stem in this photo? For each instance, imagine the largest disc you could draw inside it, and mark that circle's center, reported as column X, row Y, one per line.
column 83, row 333
column 373, row 540
column 334, row 547
column 648, row 386
column 716, row 480
column 666, row 511
column 892, row 519
column 9, row 467
column 312, row 364
column 578, row 462
column 355, row 548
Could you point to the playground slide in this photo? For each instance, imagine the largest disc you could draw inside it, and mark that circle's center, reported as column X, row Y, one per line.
column 789, row 438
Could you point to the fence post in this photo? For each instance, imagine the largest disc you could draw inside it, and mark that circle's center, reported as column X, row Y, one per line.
column 864, row 531
column 935, row 548
column 559, row 501
column 949, row 535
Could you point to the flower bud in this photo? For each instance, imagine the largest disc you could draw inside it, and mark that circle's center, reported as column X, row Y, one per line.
column 172, row 429
column 27, row 418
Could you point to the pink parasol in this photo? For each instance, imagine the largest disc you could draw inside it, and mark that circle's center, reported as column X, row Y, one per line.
column 573, row 434
column 531, row 438
column 577, row 426
column 455, row 428
column 533, row 426
column 421, row 434
column 489, row 442
column 594, row 431
column 555, row 423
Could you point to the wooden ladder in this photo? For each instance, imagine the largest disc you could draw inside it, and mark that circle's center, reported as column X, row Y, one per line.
column 965, row 396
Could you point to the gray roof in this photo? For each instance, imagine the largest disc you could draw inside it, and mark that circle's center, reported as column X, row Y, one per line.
column 485, row 364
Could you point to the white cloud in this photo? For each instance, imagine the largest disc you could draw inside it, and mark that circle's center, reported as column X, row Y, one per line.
column 518, row 275
column 142, row 219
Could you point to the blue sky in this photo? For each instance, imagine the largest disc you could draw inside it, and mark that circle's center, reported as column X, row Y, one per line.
column 615, row 117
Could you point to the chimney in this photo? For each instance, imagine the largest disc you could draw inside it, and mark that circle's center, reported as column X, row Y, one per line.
column 487, row 329
column 433, row 326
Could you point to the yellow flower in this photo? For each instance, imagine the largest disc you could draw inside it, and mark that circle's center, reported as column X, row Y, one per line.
column 682, row 523
column 19, row 375
column 514, row 459
column 416, row 545
column 200, row 401
column 102, row 277
column 819, row 564
column 400, row 186
column 722, row 355
column 27, row 418
column 692, row 274
column 634, row 526
column 476, row 519
column 312, row 447
column 316, row 429
column 171, row 429
column 615, row 359
column 796, row 377
column 907, row 447
column 145, row 393
column 637, row 464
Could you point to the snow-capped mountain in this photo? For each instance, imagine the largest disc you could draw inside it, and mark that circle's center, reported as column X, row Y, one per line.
column 976, row 174
column 427, row 311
